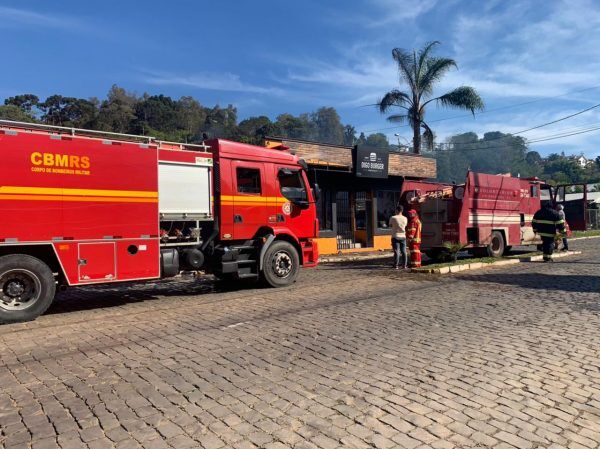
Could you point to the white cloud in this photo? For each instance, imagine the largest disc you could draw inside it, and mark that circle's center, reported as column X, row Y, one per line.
column 14, row 17
column 369, row 73
column 397, row 12
column 529, row 48
column 209, row 81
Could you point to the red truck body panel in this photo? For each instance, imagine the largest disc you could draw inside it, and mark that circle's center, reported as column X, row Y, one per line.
column 470, row 212
column 493, row 202
column 95, row 200
column 77, row 193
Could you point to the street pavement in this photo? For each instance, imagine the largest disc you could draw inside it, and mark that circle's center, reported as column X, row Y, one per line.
column 354, row 355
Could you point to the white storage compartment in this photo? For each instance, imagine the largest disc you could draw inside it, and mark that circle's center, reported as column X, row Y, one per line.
column 184, row 191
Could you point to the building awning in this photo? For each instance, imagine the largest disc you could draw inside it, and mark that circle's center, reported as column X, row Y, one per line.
column 322, row 163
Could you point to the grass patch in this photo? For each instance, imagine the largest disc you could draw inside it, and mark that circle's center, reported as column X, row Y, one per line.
column 590, row 233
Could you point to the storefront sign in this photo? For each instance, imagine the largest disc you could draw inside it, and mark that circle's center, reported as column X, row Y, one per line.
column 371, row 162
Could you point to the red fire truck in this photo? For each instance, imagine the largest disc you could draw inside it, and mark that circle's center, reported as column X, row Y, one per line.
column 82, row 207
column 487, row 214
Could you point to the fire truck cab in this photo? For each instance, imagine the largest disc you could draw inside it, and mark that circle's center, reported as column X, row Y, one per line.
column 82, row 207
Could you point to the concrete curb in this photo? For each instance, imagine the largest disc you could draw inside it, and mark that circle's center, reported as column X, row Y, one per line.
column 453, row 268
column 584, row 238
column 464, row 267
column 354, row 258
column 384, row 254
column 555, row 256
column 479, row 265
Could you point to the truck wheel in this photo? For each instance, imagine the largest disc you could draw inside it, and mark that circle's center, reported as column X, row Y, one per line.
column 280, row 265
column 27, row 288
column 497, row 246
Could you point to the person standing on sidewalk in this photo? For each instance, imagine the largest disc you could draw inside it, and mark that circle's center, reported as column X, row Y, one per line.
column 546, row 223
column 413, row 234
column 561, row 214
column 398, row 224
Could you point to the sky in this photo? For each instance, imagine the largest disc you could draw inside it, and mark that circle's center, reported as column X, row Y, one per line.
column 269, row 57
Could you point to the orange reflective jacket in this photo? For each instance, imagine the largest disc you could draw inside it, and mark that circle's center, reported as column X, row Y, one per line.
column 413, row 230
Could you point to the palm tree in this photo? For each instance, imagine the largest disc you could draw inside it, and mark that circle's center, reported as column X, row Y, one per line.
column 421, row 71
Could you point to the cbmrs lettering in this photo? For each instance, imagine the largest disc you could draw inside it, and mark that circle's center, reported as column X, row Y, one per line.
column 59, row 160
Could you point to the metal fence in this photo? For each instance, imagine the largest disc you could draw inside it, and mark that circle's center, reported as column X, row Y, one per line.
column 345, row 234
column 593, row 219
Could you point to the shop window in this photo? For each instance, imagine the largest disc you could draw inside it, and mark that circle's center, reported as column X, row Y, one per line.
column 325, row 211
column 248, row 180
column 292, row 185
column 387, row 200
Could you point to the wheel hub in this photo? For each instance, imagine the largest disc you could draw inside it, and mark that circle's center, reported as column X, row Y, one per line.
column 495, row 244
column 19, row 289
column 282, row 264
column 15, row 288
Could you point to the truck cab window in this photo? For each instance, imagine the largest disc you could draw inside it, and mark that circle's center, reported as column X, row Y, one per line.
column 292, row 185
column 248, row 180
column 534, row 191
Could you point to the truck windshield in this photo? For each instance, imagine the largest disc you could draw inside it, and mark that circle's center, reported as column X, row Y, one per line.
column 292, row 185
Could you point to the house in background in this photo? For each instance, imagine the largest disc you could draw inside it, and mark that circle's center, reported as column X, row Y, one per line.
column 582, row 161
column 356, row 203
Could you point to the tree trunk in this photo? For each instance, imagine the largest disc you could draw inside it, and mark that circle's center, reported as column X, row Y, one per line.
column 417, row 137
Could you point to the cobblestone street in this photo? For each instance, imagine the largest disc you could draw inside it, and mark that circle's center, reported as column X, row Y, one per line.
column 354, row 355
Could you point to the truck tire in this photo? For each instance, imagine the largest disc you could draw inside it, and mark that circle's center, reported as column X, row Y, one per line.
column 281, row 264
column 27, row 288
column 497, row 245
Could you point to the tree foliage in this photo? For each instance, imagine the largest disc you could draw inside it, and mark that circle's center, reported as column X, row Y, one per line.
column 183, row 120
column 496, row 152
column 187, row 120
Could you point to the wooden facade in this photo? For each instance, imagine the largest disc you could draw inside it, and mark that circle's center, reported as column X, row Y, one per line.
column 353, row 211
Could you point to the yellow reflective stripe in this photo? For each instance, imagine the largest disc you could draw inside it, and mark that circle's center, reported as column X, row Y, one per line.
column 21, row 190
column 241, row 199
column 94, row 199
column 550, row 222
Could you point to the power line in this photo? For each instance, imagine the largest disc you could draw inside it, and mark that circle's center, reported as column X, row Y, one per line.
column 487, row 111
column 453, row 145
column 566, row 135
column 533, row 141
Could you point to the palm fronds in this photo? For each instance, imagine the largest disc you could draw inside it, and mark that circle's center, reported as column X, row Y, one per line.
column 463, row 97
column 393, row 98
column 421, row 71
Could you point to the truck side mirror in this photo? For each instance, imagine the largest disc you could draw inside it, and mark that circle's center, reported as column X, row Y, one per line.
column 316, row 192
column 302, row 204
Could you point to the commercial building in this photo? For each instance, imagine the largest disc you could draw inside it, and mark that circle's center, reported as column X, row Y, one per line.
column 360, row 188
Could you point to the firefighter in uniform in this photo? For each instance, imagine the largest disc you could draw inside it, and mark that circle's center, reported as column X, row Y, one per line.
column 546, row 222
column 413, row 237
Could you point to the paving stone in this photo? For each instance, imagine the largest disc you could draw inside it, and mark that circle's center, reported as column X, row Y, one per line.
column 354, row 355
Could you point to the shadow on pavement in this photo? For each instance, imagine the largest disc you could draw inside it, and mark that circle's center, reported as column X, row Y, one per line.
column 539, row 281
column 106, row 296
